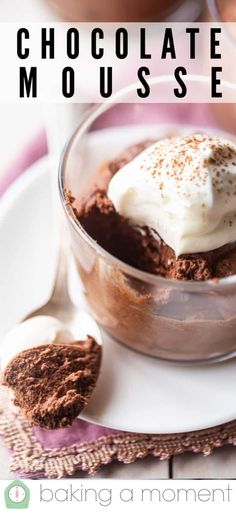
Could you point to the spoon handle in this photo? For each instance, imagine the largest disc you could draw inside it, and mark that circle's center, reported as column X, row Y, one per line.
column 60, row 294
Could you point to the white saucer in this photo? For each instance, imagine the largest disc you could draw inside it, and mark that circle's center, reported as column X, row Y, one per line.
column 134, row 392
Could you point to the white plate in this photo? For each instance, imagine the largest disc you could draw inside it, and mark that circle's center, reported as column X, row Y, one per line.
column 134, row 392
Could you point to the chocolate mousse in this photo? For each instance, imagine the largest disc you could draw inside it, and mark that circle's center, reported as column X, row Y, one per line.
column 167, row 208
column 138, row 246
column 52, row 383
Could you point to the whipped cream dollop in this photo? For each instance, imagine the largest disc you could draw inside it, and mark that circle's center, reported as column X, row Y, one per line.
column 31, row 333
column 184, row 188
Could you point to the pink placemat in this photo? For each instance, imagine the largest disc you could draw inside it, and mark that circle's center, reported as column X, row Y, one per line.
column 37, row 453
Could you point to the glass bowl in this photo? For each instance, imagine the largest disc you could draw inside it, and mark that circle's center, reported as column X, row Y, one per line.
column 170, row 319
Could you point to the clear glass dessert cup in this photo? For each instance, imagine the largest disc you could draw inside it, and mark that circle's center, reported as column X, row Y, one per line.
column 169, row 319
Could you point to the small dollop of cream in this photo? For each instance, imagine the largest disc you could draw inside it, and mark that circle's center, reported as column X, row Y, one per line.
column 31, row 333
column 184, row 188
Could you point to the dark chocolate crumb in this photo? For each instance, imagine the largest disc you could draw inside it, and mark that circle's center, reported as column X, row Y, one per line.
column 52, row 383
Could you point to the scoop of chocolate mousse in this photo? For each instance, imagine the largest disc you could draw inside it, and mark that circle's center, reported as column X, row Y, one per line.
column 52, row 383
column 139, row 246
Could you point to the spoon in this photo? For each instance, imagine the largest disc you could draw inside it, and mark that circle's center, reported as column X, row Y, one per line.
column 59, row 320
